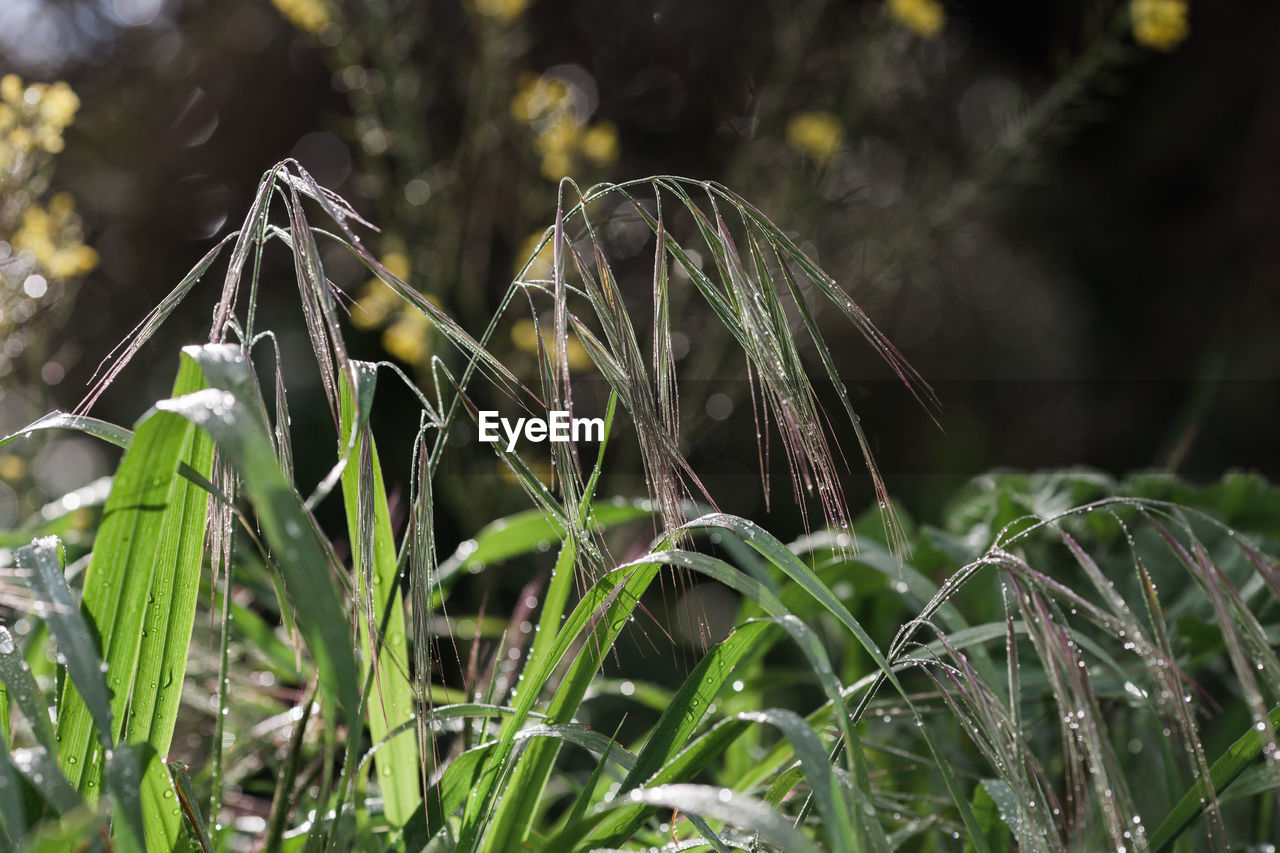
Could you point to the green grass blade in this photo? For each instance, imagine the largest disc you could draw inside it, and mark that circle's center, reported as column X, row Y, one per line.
column 604, row 608
column 777, row 553
column 132, row 828
column 66, row 834
column 40, row 769
column 20, row 684
column 691, row 701
column 1238, row 757
column 76, row 646
column 374, row 552
column 723, row 804
column 524, row 532
column 622, row 822
column 13, row 813
column 232, row 413
column 151, row 529
column 190, row 804
column 108, row 432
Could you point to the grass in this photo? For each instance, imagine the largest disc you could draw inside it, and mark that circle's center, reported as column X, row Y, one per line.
column 1063, row 663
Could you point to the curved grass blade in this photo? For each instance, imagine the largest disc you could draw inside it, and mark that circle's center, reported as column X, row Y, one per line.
column 722, row 804
column 1238, row 757
column 605, row 607
column 76, row 646
column 108, row 432
column 778, row 554
column 524, row 532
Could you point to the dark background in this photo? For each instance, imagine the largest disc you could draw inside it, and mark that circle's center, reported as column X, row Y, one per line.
column 1106, row 295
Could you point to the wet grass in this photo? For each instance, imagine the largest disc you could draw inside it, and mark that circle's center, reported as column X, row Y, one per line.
column 1064, row 662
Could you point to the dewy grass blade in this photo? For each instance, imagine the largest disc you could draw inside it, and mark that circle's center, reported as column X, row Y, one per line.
column 144, row 574
column 524, row 532
column 132, row 829
column 605, row 608
column 71, row 634
column 777, row 553
column 233, row 414
column 22, row 687
column 190, row 805
column 723, row 804
column 108, row 432
column 369, row 526
column 1238, row 757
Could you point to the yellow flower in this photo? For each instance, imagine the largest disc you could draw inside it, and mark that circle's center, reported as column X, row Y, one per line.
column 505, row 11
column 923, row 17
column 540, row 268
column 817, row 134
column 12, row 467
column 600, row 143
column 21, row 140
column 408, row 338
column 538, row 97
column 58, row 106
column 73, row 261
column 1159, row 24
column 11, row 88
column 524, row 334
column 62, row 206
column 373, row 306
column 311, row 16
column 51, row 235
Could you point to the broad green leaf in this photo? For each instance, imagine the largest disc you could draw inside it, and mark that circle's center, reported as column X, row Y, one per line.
column 143, row 576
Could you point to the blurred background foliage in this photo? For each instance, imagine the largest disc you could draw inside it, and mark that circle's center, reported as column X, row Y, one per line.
column 1061, row 213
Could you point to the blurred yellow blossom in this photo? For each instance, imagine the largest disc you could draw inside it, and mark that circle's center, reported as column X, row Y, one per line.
column 1159, row 24
column 817, row 134
column 540, row 268
column 12, row 467
column 600, row 143
column 561, row 134
column 32, row 119
column 524, row 334
column 42, row 239
column 541, row 470
column 923, row 17
column 504, row 11
column 409, row 337
column 373, row 306
column 58, row 106
column 51, row 235
column 11, row 88
column 538, row 96
column 311, row 16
